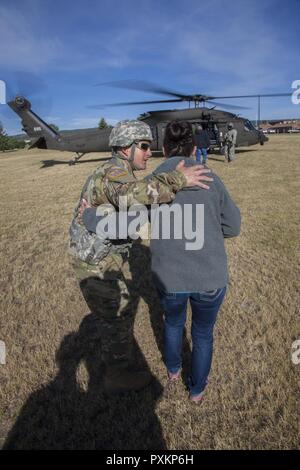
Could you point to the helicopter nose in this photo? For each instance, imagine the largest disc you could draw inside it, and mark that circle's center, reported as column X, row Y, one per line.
column 262, row 138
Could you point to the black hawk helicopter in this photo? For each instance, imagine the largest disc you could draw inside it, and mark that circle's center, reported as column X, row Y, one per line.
column 96, row 140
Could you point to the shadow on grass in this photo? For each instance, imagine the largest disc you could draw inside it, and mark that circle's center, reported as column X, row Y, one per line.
column 155, row 154
column 50, row 163
column 217, row 157
column 247, row 150
column 61, row 415
column 71, row 414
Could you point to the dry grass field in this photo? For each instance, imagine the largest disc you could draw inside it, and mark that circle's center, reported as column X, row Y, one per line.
column 51, row 394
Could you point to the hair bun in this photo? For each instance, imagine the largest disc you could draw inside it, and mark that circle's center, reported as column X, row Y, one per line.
column 178, row 131
column 178, row 139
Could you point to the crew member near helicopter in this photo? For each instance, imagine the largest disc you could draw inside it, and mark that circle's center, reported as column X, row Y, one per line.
column 230, row 142
column 99, row 262
column 202, row 142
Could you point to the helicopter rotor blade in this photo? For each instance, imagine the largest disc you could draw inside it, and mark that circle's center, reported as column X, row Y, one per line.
column 226, row 106
column 21, row 83
column 129, row 103
column 266, row 95
column 30, row 86
column 145, row 86
column 141, row 85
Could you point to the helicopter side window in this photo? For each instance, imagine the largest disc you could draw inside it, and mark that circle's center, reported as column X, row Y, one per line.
column 248, row 126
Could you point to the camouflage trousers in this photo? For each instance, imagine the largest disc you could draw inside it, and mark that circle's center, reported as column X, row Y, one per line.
column 229, row 151
column 106, row 290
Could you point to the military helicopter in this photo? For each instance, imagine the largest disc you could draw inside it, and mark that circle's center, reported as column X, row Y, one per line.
column 96, row 140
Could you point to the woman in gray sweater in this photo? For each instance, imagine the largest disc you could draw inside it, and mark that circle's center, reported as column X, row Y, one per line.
column 186, row 270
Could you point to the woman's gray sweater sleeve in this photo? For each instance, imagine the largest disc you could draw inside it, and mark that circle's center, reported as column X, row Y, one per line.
column 230, row 215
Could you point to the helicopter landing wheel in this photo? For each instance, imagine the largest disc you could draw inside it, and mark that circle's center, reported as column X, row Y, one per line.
column 75, row 158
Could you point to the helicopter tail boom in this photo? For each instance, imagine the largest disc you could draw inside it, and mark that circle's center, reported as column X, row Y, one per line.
column 32, row 124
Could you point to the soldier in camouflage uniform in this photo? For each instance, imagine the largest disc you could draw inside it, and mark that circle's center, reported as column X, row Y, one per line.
column 99, row 263
column 230, row 141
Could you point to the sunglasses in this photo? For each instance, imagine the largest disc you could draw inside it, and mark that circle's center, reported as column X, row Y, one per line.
column 143, row 146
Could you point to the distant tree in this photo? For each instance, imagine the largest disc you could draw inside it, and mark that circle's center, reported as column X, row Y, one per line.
column 3, row 139
column 9, row 143
column 15, row 143
column 54, row 127
column 103, row 124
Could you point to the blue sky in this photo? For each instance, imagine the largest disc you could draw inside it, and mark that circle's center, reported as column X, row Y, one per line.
column 218, row 47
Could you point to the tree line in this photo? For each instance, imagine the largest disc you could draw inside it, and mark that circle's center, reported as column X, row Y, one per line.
column 9, row 143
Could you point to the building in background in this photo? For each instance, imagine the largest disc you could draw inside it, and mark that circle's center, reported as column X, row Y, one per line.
column 287, row 126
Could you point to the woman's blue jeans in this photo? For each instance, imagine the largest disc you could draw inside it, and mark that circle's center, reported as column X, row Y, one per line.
column 205, row 307
column 203, row 152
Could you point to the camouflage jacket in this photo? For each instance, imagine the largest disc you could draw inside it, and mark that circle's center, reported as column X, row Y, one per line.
column 106, row 185
column 230, row 137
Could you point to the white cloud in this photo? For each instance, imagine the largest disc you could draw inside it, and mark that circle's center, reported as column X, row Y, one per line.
column 23, row 46
column 20, row 46
column 52, row 118
column 243, row 49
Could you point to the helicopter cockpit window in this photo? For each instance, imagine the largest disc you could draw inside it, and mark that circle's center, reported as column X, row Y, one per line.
column 248, row 126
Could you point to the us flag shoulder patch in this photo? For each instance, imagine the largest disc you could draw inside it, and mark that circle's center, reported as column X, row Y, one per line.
column 116, row 173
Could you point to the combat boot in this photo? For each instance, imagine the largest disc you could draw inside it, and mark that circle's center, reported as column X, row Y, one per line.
column 122, row 380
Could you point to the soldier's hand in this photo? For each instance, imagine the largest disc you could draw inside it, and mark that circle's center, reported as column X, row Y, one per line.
column 83, row 205
column 195, row 175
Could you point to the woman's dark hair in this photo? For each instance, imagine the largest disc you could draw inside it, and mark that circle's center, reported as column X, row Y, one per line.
column 179, row 139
